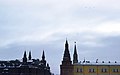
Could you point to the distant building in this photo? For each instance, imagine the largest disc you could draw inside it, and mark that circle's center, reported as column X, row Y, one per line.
column 74, row 67
column 27, row 66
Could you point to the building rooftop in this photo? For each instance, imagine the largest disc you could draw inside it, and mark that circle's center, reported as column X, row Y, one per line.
column 97, row 63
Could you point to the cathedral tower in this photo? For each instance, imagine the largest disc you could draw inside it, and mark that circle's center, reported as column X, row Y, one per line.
column 25, row 57
column 66, row 67
column 43, row 61
column 66, row 57
column 29, row 57
column 75, row 55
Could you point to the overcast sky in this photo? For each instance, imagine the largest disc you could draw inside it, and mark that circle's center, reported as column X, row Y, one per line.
column 39, row 25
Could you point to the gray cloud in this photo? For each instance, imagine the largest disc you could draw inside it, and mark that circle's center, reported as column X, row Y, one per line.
column 37, row 25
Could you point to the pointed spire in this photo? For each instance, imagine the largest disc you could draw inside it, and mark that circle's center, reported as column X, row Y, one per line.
column 66, row 57
column 29, row 57
column 75, row 55
column 66, row 44
column 43, row 55
column 75, row 49
column 66, row 41
column 48, row 67
column 25, row 57
column 43, row 61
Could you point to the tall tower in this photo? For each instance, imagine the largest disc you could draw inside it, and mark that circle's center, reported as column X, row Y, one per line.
column 25, row 57
column 43, row 61
column 43, row 55
column 66, row 57
column 29, row 57
column 66, row 67
column 75, row 55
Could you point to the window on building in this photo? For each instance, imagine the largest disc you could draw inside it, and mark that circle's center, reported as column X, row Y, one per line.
column 91, row 70
column 115, row 70
column 81, row 70
column 77, row 69
column 104, row 70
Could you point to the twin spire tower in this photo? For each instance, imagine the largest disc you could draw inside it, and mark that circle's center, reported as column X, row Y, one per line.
column 67, row 58
column 67, row 67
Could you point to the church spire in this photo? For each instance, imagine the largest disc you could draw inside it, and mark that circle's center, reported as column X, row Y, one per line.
column 43, row 61
column 66, row 57
column 75, row 55
column 43, row 55
column 25, row 57
column 29, row 57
